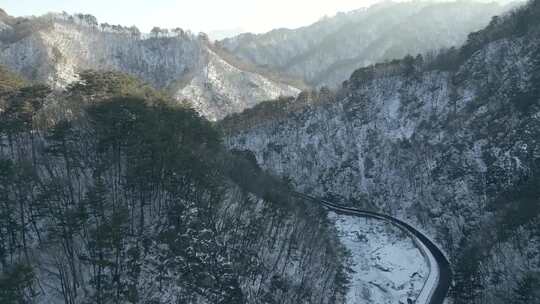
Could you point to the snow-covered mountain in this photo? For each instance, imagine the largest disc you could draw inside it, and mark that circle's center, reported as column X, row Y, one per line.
column 450, row 144
column 55, row 47
column 237, row 73
column 111, row 192
column 327, row 52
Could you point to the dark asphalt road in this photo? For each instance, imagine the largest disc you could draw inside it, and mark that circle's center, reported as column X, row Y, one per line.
column 445, row 274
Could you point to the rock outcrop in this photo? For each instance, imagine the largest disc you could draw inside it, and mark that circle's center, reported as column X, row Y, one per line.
column 54, row 48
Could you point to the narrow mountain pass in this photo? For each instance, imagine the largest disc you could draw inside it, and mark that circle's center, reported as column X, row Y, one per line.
column 409, row 269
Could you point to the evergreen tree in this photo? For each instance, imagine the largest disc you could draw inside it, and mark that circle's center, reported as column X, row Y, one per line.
column 527, row 291
column 15, row 284
column 468, row 282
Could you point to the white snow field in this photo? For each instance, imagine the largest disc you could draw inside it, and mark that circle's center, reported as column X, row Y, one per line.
column 387, row 265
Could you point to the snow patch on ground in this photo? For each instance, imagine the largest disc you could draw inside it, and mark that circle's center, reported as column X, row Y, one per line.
column 387, row 266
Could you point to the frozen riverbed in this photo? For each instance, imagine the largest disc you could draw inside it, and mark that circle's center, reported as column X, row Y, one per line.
column 387, row 266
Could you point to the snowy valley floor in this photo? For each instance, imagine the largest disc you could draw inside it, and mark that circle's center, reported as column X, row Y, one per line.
column 387, row 266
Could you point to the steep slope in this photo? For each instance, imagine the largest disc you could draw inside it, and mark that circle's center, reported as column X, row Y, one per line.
column 111, row 194
column 451, row 144
column 327, row 52
column 55, row 47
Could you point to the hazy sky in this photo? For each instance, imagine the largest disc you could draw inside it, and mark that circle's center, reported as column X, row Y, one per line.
column 197, row 15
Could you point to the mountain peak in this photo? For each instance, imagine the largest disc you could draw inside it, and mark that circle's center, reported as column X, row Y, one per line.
column 4, row 16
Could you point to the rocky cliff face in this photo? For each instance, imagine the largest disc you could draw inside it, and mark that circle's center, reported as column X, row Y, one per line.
column 327, row 52
column 55, row 47
column 451, row 145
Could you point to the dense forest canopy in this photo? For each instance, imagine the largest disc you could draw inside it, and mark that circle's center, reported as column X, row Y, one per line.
column 110, row 192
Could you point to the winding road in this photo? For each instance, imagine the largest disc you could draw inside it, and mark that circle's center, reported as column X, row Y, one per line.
column 440, row 272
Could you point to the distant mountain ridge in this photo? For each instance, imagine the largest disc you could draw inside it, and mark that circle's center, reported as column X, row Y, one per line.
column 328, row 51
column 54, row 48
column 231, row 75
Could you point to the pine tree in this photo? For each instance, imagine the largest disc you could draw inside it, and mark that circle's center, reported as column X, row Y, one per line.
column 527, row 291
column 468, row 282
column 535, row 74
column 15, row 284
column 8, row 224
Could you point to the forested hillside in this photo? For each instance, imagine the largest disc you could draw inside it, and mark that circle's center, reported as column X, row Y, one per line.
column 111, row 192
column 450, row 143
